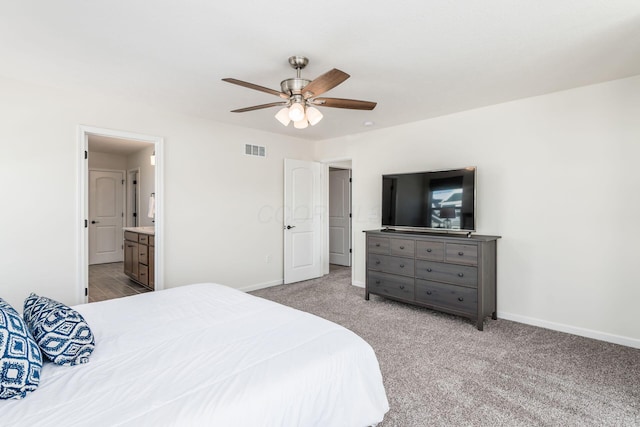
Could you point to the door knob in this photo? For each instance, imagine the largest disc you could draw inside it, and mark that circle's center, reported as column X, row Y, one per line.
column 289, row 227
column 94, row 222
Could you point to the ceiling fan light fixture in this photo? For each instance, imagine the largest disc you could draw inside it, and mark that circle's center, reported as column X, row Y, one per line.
column 299, row 96
column 301, row 124
column 283, row 116
column 296, row 112
column 313, row 115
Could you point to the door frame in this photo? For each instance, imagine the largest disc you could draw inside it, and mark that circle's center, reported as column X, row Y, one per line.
column 128, row 208
column 332, row 169
column 326, row 163
column 82, row 200
column 124, row 197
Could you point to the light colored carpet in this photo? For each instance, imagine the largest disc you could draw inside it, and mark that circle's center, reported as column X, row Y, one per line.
column 439, row 370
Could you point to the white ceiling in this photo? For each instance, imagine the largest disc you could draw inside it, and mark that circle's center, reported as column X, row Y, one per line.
column 416, row 58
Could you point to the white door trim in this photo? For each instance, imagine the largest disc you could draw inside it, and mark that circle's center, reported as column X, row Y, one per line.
column 326, row 163
column 82, row 209
column 337, row 196
column 129, row 209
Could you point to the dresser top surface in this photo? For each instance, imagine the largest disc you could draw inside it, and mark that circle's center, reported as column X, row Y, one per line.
column 431, row 235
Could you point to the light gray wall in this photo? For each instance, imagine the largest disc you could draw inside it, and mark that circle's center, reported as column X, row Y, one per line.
column 571, row 269
column 550, row 170
column 146, row 182
column 99, row 160
column 213, row 193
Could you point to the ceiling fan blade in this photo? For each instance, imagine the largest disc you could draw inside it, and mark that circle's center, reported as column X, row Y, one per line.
column 325, row 82
column 256, row 87
column 258, row 107
column 352, row 104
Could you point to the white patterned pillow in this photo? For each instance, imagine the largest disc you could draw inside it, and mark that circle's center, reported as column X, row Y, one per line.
column 61, row 332
column 20, row 357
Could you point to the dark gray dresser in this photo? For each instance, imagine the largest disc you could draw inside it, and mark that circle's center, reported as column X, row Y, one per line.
column 445, row 272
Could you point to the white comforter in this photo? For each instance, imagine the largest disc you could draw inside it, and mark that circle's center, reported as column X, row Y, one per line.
column 208, row 355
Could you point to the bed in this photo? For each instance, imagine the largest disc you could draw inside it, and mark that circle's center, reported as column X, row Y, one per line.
column 207, row 354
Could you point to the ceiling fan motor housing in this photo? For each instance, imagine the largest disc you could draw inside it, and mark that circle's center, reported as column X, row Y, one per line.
column 293, row 86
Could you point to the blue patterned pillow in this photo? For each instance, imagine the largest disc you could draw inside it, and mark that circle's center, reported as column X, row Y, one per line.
column 61, row 332
column 20, row 357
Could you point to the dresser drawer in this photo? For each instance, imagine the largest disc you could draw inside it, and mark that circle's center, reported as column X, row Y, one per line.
column 143, row 254
column 453, row 297
column 143, row 275
column 433, row 251
column 378, row 245
column 130, row 236
column 462, row 254
column 387, row 284
column 391, row 264
column 402, row 247
column 143, row 238
column 152, row 240
column 451, row 273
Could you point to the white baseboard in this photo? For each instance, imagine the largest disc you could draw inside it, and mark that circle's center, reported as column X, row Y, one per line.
column 358, row 284
column 582, row 332
column 588, row 333
column 257, row 286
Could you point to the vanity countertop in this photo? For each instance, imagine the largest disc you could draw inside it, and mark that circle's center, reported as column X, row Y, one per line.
column 142, row 230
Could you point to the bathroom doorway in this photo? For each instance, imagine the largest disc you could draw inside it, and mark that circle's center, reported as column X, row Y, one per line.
column 121, row 187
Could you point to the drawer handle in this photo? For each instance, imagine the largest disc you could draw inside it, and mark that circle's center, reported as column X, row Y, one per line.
column 377, row 282
column 460, row 299
column 429, row 270
column 401, row 286
column 401, row 265
column 429, row 250
column 461, row 253
column 460, row 275
column 428, row 292
column 401, row 247
column 377, row 245
column 377, row 262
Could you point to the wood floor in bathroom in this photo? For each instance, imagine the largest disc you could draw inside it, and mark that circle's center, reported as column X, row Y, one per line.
column 108, row 281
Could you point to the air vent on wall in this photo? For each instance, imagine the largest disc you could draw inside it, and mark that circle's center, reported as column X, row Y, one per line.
column 255, row 150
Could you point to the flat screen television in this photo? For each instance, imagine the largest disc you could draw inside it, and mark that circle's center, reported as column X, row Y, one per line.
column 435, row 200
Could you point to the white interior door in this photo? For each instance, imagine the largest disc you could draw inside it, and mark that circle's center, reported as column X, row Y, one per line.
column 302, row 220
column 106, row 215
column 340, row 217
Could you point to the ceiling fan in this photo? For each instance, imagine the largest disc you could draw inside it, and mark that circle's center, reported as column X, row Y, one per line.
column 301, row 96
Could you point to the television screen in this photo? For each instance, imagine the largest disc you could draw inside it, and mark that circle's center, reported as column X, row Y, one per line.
column 442, row 200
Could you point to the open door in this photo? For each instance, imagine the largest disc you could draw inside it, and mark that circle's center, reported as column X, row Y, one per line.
column 340, row 217
column 302, row 220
